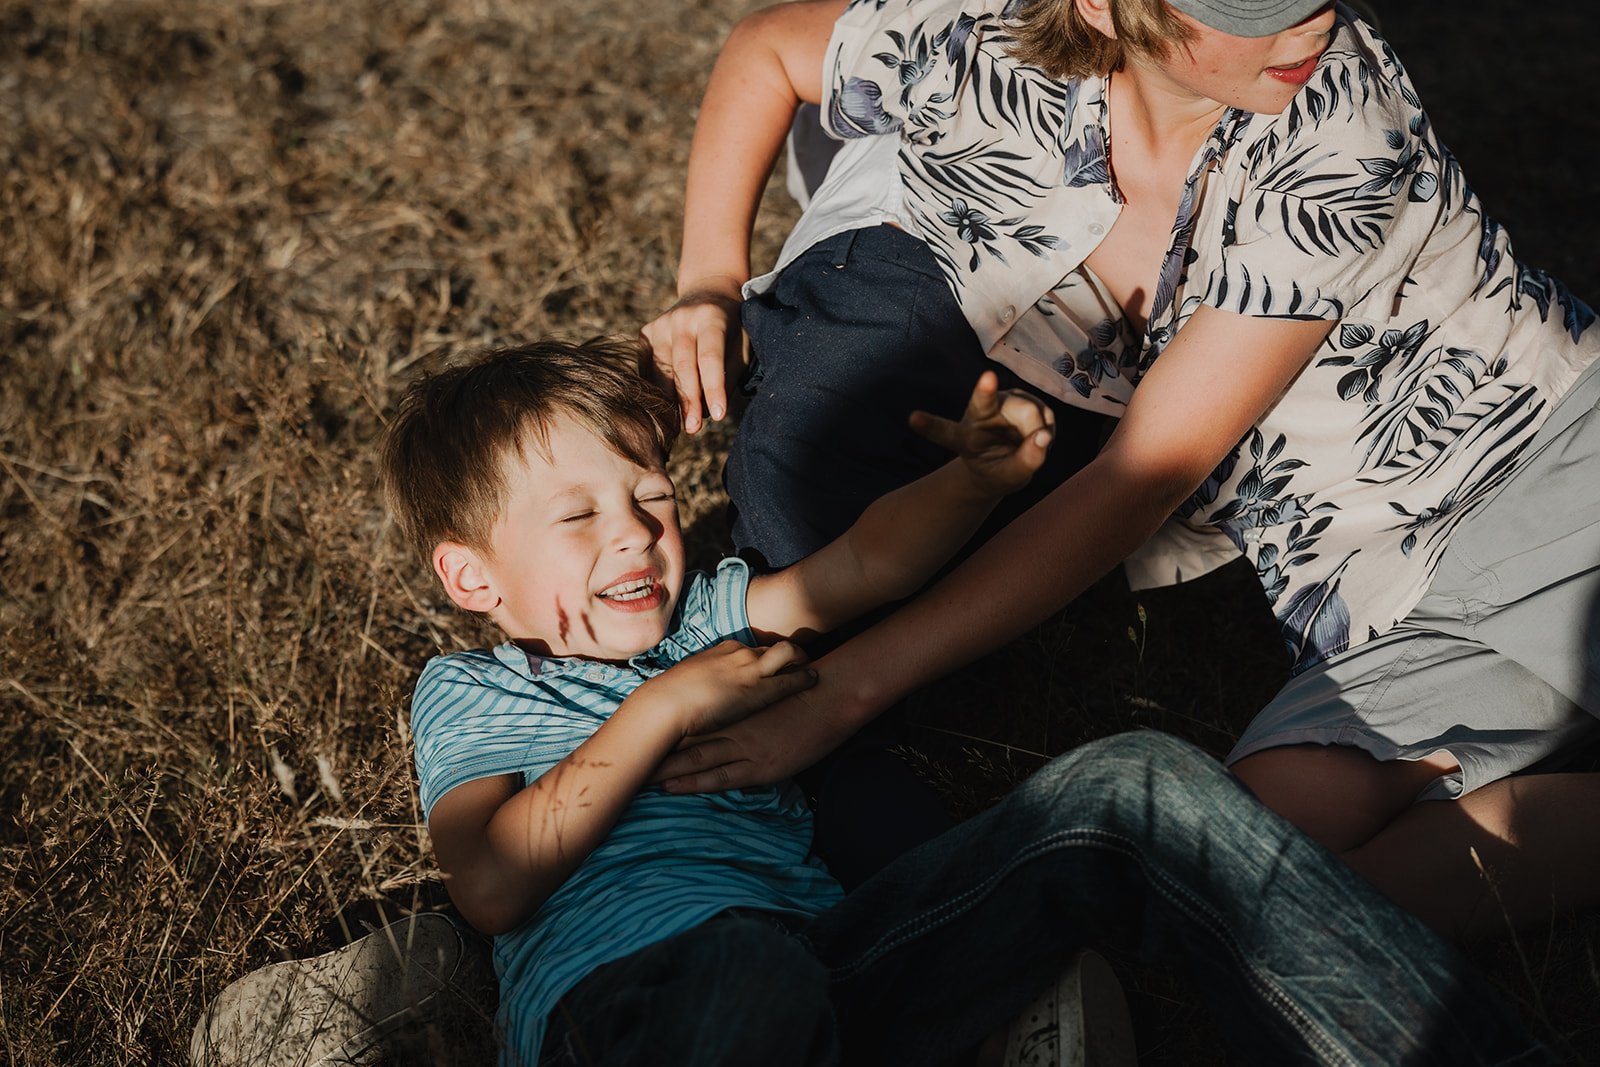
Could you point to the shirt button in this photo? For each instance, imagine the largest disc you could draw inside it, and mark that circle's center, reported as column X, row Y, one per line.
column 1008, row 313
column 1096, row 229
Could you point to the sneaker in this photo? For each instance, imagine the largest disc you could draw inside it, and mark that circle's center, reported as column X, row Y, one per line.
column 1081, row 1020
column 379, row 996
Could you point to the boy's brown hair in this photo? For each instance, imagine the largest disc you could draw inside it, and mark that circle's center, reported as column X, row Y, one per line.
column 444, row 453
column 1053, row 36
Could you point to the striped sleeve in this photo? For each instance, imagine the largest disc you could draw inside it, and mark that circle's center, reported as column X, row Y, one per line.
column 466, row 724
column 713, row 610
column 729, row 591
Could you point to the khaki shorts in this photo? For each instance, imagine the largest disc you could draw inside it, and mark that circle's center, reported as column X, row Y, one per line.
column 1499, row 664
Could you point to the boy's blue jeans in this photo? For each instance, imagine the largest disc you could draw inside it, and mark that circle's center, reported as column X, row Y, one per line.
column 1139, row 844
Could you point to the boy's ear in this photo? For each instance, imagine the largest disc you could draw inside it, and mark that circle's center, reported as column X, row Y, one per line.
column 465, row 578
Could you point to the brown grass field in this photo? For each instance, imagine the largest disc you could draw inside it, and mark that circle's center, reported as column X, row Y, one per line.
column 229, row 234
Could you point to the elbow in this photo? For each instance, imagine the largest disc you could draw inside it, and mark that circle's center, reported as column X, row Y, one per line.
column 756, row 35
column 490, row 912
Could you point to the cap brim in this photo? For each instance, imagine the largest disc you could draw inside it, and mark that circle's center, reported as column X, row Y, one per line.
column 1250, row 18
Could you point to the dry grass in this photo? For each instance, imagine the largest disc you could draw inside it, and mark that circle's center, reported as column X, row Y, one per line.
column 230, row 233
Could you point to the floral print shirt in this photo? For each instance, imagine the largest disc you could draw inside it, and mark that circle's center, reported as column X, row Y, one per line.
column 1448, row 353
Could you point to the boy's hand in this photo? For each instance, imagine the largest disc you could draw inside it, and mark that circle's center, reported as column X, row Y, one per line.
column 697, row 345
column 727, row 682
column 1003, row 437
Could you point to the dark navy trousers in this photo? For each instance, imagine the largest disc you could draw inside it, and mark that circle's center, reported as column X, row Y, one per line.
column 860, row 331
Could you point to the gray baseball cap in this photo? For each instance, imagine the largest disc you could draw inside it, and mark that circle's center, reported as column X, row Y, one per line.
column 1250, row 18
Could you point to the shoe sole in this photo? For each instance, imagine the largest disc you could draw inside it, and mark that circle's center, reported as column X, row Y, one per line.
column 1081, row 1020
column 343, row 1007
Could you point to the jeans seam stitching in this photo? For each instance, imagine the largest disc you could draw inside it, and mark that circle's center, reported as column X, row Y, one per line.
column 1164, row 883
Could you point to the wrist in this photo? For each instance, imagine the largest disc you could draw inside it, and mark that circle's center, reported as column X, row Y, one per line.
column 848, row 697
column 728, row 283
column 655, row 720
column 972, row 489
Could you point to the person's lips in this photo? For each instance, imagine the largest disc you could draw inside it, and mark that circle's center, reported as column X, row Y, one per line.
column 638, row 591
column 1295, row 74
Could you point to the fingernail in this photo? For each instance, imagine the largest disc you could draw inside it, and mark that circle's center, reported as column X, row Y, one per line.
column 716, row 411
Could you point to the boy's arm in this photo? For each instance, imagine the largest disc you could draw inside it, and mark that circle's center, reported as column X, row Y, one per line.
column 771, row 62
column 505, row 849
column 905, row 536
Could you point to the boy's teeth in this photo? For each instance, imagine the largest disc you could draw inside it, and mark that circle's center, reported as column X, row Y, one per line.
column 630, row 590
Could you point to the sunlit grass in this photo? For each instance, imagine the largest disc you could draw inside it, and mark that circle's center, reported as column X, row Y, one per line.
column 230, row 233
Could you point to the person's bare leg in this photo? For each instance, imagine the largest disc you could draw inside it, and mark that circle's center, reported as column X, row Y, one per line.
column 1337, row 795
column 1537, row 845
column 1537, row 837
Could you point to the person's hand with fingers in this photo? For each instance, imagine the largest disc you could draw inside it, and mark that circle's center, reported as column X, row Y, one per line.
column 698, row 346
column 1002, row 438
column 726, row 683
column 767, row 747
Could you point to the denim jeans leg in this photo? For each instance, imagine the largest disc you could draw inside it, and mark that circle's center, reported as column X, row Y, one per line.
column 1143, row 844
column 735, row 990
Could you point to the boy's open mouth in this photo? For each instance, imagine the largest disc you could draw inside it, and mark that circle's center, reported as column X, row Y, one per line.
column 634, row 593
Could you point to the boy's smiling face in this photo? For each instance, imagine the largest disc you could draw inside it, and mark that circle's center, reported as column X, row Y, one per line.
column 586, row 558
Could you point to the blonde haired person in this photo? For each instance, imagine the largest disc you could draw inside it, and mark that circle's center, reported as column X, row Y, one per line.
column 1242, row 240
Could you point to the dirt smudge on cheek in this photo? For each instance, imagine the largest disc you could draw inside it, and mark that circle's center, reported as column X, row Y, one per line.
column 563, row 622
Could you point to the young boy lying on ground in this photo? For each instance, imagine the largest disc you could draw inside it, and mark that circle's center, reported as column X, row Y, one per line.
column 534, row 479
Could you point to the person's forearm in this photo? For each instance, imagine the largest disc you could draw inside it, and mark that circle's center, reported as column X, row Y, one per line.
column 905, row 536
column 540, row 835
column 888, row 553
column 761, row 75
column 1026, row 573
column 1165, row 445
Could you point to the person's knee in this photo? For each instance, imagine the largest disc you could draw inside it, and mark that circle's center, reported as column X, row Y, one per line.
column 1121, row 764
column 1125, row 784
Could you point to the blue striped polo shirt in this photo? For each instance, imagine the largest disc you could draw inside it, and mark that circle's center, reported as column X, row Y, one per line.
column 670, row 863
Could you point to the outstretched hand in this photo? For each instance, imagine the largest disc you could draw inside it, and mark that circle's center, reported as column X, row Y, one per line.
column 698, row 346
column 1002, row 437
